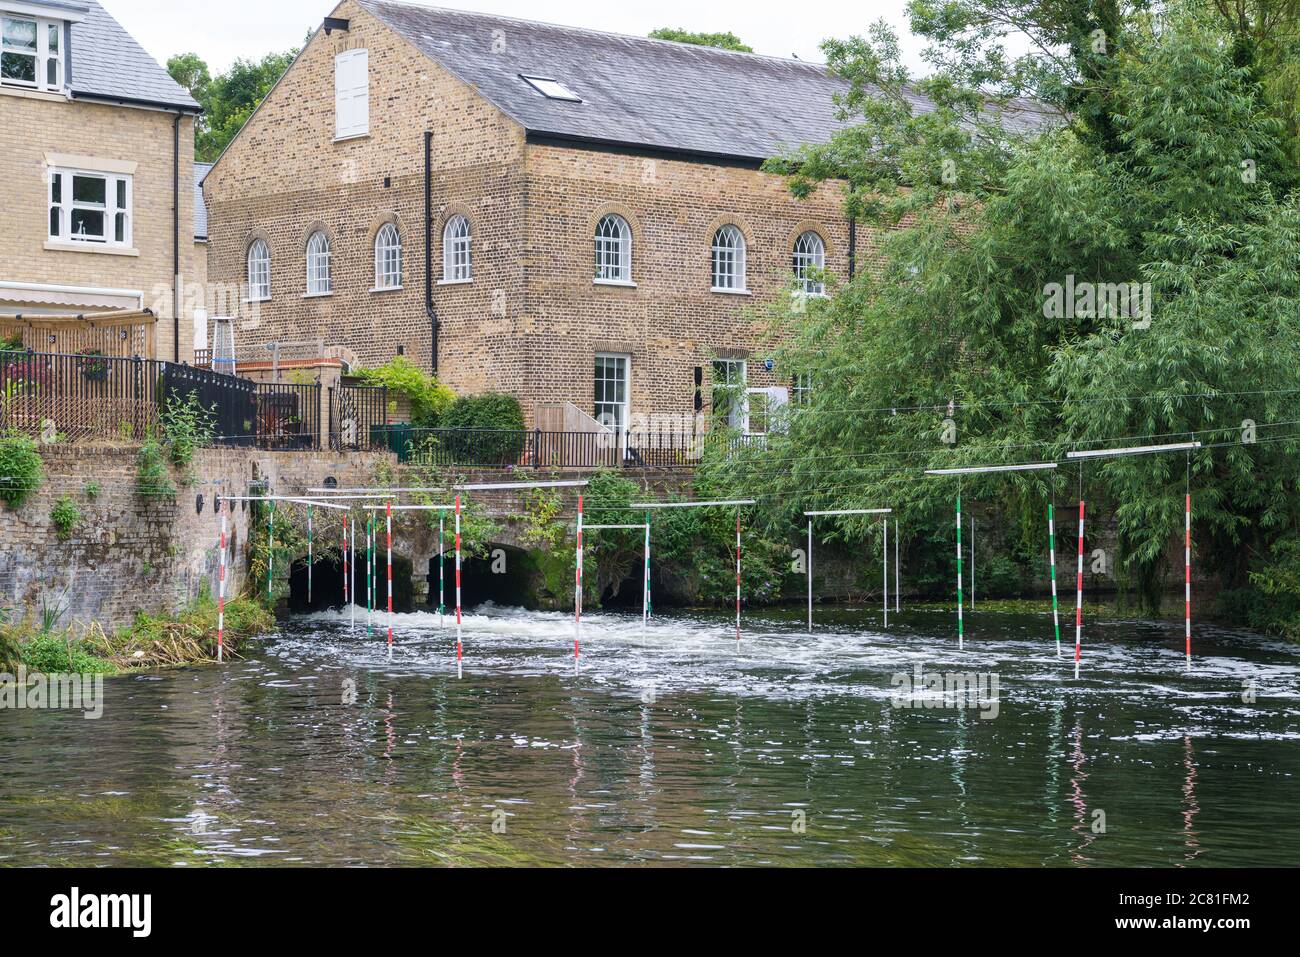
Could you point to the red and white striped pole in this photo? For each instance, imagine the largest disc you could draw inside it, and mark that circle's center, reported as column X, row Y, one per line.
column 352, row 566
column 221, row 589
column 459, row 645
column 390, row 579
column 577, row 592
column 737, row 579
column 1078, row 601
column 1187, row 565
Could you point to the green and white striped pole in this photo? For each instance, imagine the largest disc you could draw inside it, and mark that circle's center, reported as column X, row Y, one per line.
column 442, row 572
column 645, row 592
column 961, row 636
column 270, row 550
column 309, row 557
column 1051, row 540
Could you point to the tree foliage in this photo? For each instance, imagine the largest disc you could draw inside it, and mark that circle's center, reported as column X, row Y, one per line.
column 948, row 354
column 228, row 99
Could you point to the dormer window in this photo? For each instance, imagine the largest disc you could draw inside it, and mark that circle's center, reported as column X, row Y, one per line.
column 31, row 53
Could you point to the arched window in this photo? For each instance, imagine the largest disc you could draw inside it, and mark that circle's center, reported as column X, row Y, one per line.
column 729, row 260
column 318, row 265
column 259, row 271
column 457, row 261
column 809, row 261
column 613, row 250
column 388, row 258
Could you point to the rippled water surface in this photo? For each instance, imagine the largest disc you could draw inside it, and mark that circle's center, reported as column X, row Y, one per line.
column 673, row 747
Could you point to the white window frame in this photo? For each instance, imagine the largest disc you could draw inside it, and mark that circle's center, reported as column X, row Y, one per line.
column 622, row 427
column 42, row 56
column 351, row 95
column 550, row 88
column 613, row 251
column 388, row 259
column 457, row 251
column 801, row 389
column 738, row 416
column 319, row 279
column 119, row 201
column 728, row 260
column 258, row 271
column 809, row 256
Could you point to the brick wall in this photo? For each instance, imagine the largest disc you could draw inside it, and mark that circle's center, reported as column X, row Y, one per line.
column 33, row 124
column 285, row 177
column 130, row 555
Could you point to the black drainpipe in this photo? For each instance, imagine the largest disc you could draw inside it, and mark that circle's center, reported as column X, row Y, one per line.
column 428, row 250
column 853, row 247
column 176, row 238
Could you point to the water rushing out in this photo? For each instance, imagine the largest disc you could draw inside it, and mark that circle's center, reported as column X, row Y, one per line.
column 672, row 747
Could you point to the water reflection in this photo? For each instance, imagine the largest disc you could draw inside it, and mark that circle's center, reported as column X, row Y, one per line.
column 669, row 748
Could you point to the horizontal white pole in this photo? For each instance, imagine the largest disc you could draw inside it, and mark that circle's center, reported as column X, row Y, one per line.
column 980, row 469
column 606, row 528
column 692, row 504
column 1138, row 450
column 409, row 508
column 283, row 498
column 382, row 492
column 852, row 511
column 520, row 485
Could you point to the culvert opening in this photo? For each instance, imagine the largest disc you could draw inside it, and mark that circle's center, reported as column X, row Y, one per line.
column 327, row 585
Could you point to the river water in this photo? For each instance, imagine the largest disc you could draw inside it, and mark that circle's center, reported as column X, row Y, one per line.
column 674, row 747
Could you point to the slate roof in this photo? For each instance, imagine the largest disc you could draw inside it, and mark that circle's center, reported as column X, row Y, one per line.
column 200, row 207
column 107, row 63
column 636, row 91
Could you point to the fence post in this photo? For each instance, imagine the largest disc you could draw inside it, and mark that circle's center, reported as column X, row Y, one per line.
column 537, row 448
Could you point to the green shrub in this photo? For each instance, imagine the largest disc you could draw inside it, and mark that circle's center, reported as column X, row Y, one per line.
column 66, row 517
column 1275, row 604
column 20, row 468
column 91, row 490
column 187, row 426
column 428, row 397
column 152, row 478
column 61, row 654
column 490, row 412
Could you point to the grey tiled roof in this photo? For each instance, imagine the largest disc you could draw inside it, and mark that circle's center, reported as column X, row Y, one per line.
column 108, row 63
column 200, row 207
column 634, row 90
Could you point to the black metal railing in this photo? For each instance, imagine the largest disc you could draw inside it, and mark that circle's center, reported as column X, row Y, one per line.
column 288, row 416
column 495, row 448
column 74, row 397
column 232, row 402
column 358, row 418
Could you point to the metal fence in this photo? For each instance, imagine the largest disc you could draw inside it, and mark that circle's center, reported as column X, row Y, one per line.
column 288, row 416
column 231, row 402
column 495, row 448
column 358, row 418
column 78, row 396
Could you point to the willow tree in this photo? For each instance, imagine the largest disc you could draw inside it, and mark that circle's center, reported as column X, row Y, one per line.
column 956, row 350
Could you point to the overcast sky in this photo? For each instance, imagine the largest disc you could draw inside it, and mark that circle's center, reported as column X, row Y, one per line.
column 221, row 30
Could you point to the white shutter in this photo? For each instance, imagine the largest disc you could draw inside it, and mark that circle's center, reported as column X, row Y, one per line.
column 352, row 93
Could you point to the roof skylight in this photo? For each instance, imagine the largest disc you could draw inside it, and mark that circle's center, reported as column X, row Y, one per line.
column 551, row 88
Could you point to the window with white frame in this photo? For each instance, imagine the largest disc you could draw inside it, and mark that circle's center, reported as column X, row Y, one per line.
column 457, row 251
column 728, row 260
column 729, row 378
column 613, row 250
column 31, row 52
column 801, row 393
column 91, row 208
column 318, row 265
column 388, row 258
column 259, row 271
column 809, row 261
column 351, row 94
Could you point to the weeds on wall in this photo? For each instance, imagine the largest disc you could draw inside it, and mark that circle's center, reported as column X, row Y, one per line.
column 66, row 516
column 152, row 478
